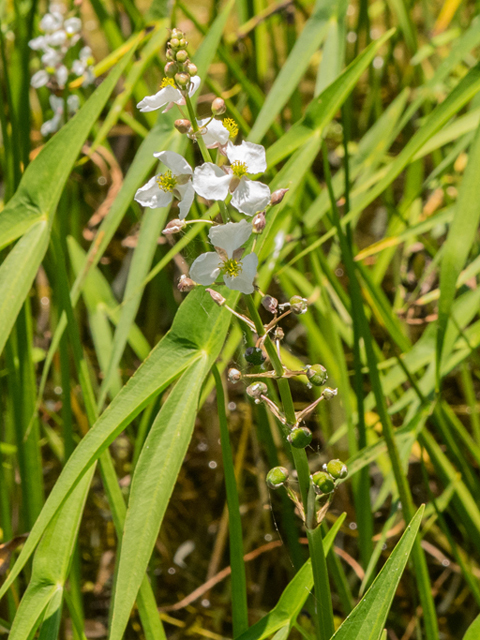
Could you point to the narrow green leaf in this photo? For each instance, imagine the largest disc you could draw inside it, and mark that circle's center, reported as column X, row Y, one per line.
column 473, row 631
column 367, row 620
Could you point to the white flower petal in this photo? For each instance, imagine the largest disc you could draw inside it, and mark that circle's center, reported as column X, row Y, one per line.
column 250, row 197
column 162, row 97
column 39, row 79
column 230, row 236
column 78, row 68
column 57, row 38
column 62, row 75
column 38, row 43
column 56, row 103
column 187, row 195
column 51, row 57
column 194, row 84
column 244, row 281
column 50, row 126
column 210, row 182
column 175, row 162
column 253, row 155
column 51, row 22
column 216, row 134
column 72, row 25
column 205, row 268
column 150, row 195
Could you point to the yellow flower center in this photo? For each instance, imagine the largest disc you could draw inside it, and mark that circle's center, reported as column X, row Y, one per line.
column 239, row 169
column 167, row 82
column 167, row 181
column 232, row 268
column 231, row 126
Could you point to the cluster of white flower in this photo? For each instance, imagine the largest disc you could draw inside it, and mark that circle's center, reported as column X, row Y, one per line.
column 229, row 181
column 60, row 34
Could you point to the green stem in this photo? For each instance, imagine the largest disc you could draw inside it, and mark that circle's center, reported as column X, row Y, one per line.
column 314, row 535
column 239, row 583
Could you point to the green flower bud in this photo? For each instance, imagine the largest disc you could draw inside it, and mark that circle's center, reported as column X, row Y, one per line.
column 328, row 393
column 298, row 305
column 300, row 437
column 174, row 43
column 317, row 374
column 182, row 79
column 257, row 389
column 277, row 477
column 181, row 56
column 322, row 482
column 182, row 42
column 171, row 68
column 337, row 469
column 170, row 55
column 192, row 69
column 254, row 355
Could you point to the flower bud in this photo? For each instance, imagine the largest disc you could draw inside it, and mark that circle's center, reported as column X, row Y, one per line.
column 216, row 297
column 174, row 226
column 192, row 69
column 234, row 375
column 298, row 305
column 185, row 284
column 270, row 304
column 177, row 33
column 183, row 126
column 174, row 43
column 300, row 437
column 277, row 477
column 259, row 222
column 254, row 355
column 322, row 482
column 279, row 333
column 182, row 42
column 257, row 389
column 170, row 55
column 182, row 79
column 328, row 393
column 317, row 374
column 337, row 469
column 277, row 196
column 181, row 56
column 171, row 68
column 218, row 106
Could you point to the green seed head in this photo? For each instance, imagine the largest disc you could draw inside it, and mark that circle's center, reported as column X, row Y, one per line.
column 254, row 355
column 317, row 374
column 300, row 437
column 337, row 469
column 298, row 305
column 277, row 477
column 328, row 393
column 257, row 389
column 322, row 482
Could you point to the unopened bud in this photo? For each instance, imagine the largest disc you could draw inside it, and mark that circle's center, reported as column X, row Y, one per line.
column 277, row 196
column 174, row 43
column 254, row 355
column 234, row 375
column 185, row 284
column 277, row 477
column 300, row 437
column 181, row 56
column 259, row 222
column 192, row 69
column 171, row 69
column 182, row 42
column 317, row 374
column 270, row 304
column 279, row 333
column 182, row 79
column 216, row 297
column 257, row 389
column 298, row 305
column 322, row 482
column 183, row 126
column 218, row 106
column 170, row 55
column 337, row 469
column 174, row 226
column 328, row 393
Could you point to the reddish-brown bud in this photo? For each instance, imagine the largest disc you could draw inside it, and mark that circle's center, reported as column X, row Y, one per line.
column 185, row 284
column 259, row 222
column 218, row 106
column 277, row 196
column 183, row 126
column 174, row 226
column 270, row 304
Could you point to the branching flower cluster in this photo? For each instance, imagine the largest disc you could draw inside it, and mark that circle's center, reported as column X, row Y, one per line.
column 231, row 182
column 60, row 34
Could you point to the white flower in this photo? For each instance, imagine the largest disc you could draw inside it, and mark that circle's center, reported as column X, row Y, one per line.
column 215, row 135
column 61, row 74
column 50, row 126
column 38, row 43
column 73, row 104
column 176, row 181
column 39, row 79
column 227, row 259
column 249, row 197
column 72, row 26
column 51, row 58
column 168, row 95
column 51, row 22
